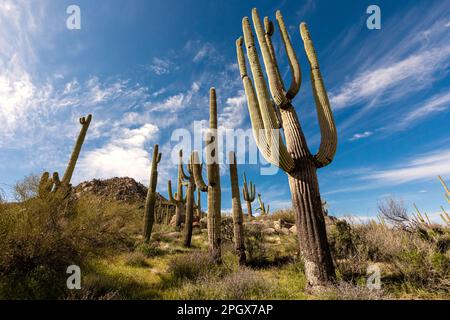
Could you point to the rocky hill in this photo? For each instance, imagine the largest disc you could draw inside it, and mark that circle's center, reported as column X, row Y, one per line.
column 118, row 189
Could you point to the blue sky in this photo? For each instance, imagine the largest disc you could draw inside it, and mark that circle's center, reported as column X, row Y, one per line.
column 144, row 68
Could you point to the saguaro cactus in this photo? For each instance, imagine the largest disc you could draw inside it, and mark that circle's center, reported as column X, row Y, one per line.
column 249, row 195
column 238, row 218
column 213, row 185
column 53, row 185
column 149, row 212
column 178, row 199
column 295, row 157
column 199, row 204
column 262, row 207
column 189, row 182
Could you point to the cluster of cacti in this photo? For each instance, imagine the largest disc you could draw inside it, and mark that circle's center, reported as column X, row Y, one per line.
column 213, row 185
column 149, row 211
column 269, row 114
column 238, row 218
column 55, row 187
column 262, row 207
column 178, row 198
column 164, row 212
column 249, row 195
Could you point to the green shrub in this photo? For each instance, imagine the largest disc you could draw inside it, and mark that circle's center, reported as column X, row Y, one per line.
column 192, row 266
column 149, row 250
column 136, row 259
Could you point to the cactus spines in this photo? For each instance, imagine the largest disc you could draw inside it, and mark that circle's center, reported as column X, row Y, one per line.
column 249, row 195
column 262, row 207
column 213, row 185
column 149, row 211
column 178, row 199
column 84, row 121
column 238, row 218
column 295, row 157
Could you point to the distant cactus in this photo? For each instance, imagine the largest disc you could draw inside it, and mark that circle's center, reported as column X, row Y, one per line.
column 269, row 114
column 238, row 218
column 213, row 185
column 262, row 207
column 249, row 195
column 55, row 187
column 149, row 212
column 178, row 199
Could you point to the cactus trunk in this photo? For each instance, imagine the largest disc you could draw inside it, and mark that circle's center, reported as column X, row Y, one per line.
column 249, row 209
column 189, row 212
column 213, row 187
column 149, row 211
column 238, row 218
column 76, row 150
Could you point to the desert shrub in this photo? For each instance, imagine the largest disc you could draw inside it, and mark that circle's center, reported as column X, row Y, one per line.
column 136, row 259
column 341, row 240
column 149, row 250
column 348, row 291
column 242, row 284
column 192, row 266
column 286, row 215
column 255, row 244
column 40, row 238
column 27, row 188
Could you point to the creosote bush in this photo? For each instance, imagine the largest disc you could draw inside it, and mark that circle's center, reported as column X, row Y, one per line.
column 40, row 238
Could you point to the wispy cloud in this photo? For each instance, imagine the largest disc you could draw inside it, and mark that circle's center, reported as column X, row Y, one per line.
column 160, row 66
column 424, row 167
column 358, row 136
column 395, row 80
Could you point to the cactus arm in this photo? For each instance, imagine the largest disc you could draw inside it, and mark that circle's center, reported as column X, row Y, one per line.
column 269, row 29
column 276, row 87
column 197, row 170
column 278, row 154
column 181, row 173
column 169, row 191
column 84, row 121
column 252, row 102
column 328, row 143
column 292, row 58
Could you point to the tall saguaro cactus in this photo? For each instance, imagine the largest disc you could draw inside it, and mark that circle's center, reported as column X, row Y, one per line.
column 249, row 195
column 295, row 157
column 149, row 211
column 262, row 207
column 238, row 218
column 189, row 182
column 85, row 122
column 213, row 185
column 54, row 185
column 178, row 199
column 199, row 204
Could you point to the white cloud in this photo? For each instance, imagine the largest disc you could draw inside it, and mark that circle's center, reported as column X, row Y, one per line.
column 178, row 101
column 394, row 80
column 235, row 111
column 125, row 155
column 207, row 50
column 160, row 66
column 358, row 136
column 424, row 167
column 437, row 103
